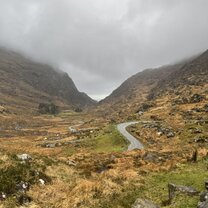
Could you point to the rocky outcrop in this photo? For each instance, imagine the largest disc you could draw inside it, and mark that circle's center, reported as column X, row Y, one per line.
column 143, row 203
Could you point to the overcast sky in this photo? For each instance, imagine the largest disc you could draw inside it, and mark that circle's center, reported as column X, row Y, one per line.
column 100, row 43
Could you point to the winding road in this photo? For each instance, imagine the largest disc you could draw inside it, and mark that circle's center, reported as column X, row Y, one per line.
column 134, row 143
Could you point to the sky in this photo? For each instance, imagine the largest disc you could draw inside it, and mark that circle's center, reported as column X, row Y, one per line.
column 100, row 43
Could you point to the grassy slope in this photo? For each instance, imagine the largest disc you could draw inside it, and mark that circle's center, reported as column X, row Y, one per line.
column 155, row 187
column 109, row 140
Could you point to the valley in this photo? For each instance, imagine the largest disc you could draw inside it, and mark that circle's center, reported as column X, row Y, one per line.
column 80, row 156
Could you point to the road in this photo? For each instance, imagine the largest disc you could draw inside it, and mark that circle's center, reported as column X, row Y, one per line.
column 134, row 143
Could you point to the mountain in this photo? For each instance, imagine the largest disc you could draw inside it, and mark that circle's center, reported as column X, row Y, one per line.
column 25, row 83
column 134, row 91
column 144, row 86
column 192, row 74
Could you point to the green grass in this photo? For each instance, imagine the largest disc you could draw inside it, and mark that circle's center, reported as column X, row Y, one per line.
column 189, row 175
column 109, row 140
column 155, row 188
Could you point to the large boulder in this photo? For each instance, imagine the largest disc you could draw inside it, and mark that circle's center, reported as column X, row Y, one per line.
column 144, row 203
column 188, row 190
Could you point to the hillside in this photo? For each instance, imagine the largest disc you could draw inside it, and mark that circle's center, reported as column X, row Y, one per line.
column 81, row 160
column 192, row 74
column 127, row 98
column 142, row 87
column 24, row 83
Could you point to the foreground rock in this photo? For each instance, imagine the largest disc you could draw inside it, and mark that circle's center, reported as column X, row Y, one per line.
column 203, row 202
column 144, row 203
column 172, row 189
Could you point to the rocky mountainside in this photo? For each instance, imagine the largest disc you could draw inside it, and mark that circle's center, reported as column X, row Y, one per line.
column 193, row 73
column 147, row 85
column 24, row 83
column 134, row 91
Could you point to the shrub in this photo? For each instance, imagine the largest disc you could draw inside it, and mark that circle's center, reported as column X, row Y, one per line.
column 78, row 110
column 48, row 108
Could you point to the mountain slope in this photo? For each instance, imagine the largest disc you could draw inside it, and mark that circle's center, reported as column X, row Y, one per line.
column 148, row 84
column 26, row 83
column 193, row 73
column 134, row 91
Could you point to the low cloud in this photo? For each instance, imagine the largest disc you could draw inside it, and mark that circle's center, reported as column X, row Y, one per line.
column 101, row 43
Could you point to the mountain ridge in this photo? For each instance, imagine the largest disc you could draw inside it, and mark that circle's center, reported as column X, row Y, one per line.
column 23, row 79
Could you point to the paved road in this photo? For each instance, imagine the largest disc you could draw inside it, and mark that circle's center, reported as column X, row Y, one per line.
column 134, row 143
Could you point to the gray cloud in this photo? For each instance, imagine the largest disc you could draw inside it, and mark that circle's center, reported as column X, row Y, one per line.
column 100, row 43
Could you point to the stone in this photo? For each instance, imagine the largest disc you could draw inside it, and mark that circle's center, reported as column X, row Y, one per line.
column 140, row 113
column 170, row 134
column 143, row 203
column 22, row 187
column 71, row 163
column 196, row 98
column 150, row 157
column 23, row 199
column 206, row 108
column 172, row 189
column 2, row 196
column 49, row 145
column 72, row 130
column 41, row 181
column 196, row 131
column 206, row 185
column 24, row 157
column 203, row 196
column 201, row 139
column 203, row 204
column 2, row 109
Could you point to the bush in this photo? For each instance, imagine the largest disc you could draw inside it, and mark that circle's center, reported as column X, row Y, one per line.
column 45, row 108
column 78, row 110
column 15, row 174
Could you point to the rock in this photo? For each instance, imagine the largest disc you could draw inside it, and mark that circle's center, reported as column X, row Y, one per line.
column 140, row 113
column 196, row 131
column 24, row 157
column 72, row 130
column 145, row 107
column 206, row 108
column 23, row 199
column 172, row 189
column 203, row 204
column 2, row 196
column 196, row 98
column 201, row 139
column 71, row 163
column 170, row 134
column 206, row 185
column 49, row 145
column 22, row 187
column 2, row 109
column 17, row 127
column 150, row 157
column 41, row 181
column 143, row 203
column 203, row 196
column 159, row 133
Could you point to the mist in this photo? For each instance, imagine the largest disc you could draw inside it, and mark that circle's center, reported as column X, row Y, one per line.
column 100, row 43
